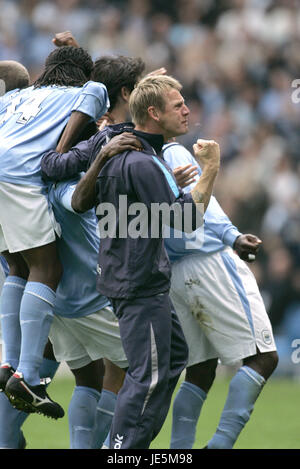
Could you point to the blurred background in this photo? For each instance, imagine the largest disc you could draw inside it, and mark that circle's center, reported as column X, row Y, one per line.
column 237, row 60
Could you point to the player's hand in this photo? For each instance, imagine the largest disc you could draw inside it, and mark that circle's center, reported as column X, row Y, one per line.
column 207, row 154
column 185, row 175
column 65, row 38
column 105, row 120
column 247, row 246
column 118, row 144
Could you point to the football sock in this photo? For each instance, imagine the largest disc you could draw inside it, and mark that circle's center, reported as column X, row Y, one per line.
column 48, row 368
column 10, row 302
column 186, row 411
column 10, row 424
column 36, row 314
column 12, row 419
column 244, row 389
column 105, row 412
column 82, row 411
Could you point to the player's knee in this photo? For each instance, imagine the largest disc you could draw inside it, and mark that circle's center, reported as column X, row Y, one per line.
column 113, row 377
column 57, row 273
column 202, row 374
column 264, row 363
column 271, row 362
column 44, row 265
column 90, row 375
column 17, row 265
column 50, row 274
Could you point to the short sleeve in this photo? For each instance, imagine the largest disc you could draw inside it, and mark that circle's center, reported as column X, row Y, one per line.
column 63, row 194
column 93, row 100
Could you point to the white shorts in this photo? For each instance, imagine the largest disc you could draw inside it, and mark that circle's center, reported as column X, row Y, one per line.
column 26, row 219
column 220, row 308
column 79, row 341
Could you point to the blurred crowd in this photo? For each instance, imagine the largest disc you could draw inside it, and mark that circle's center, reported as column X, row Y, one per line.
column 238, row 61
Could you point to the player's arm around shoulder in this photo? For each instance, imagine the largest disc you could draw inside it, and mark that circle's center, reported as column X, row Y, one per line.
column 84, row 197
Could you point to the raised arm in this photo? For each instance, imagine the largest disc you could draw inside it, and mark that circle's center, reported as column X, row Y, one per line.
column 207, row 154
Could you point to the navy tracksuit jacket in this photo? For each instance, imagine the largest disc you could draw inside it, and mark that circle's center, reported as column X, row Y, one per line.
column 135, row 274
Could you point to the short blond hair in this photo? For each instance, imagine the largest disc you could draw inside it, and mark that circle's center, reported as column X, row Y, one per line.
column 150, row 91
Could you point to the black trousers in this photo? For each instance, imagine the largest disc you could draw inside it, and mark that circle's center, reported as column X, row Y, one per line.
column 157, row 354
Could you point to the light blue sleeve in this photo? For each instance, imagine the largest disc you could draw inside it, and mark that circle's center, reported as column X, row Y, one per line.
column 177, row 155
column 93, row 100
column 63, row 194
column 215, row 218
column 217, row 221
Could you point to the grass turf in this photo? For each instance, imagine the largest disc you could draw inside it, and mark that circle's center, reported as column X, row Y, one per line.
column 274, row 423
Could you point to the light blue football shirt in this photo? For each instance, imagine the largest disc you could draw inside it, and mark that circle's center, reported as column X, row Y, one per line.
column 217, row 231
column 32, row 121
column 5, row 99
column 78, row 248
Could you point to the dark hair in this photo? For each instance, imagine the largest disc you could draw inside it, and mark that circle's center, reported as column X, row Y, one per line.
column 66, row 66
column 117, row 71
column 14, row 75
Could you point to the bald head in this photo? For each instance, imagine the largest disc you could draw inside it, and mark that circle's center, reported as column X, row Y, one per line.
column 12, row 75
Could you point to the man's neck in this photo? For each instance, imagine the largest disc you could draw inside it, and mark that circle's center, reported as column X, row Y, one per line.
column 118, row 115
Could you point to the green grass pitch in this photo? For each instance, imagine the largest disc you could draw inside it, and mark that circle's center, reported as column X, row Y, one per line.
column 275, row 422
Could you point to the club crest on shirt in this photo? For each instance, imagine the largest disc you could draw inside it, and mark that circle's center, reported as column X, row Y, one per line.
column 267, row 337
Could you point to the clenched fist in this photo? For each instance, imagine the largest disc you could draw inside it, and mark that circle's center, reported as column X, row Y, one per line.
column 65, row 38
column 207, row 154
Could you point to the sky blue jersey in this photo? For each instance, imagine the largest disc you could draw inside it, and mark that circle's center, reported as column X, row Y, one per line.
column 217, row 231
column 5, row 99
column 32, row 121
column 78, row 247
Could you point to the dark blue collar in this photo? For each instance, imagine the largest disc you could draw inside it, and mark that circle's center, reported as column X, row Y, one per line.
column 155, row 140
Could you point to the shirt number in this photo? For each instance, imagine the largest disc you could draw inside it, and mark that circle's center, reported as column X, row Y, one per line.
column 29, row 109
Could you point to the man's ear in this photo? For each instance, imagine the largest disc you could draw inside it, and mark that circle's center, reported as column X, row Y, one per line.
column 152, row 111
column 125, row 94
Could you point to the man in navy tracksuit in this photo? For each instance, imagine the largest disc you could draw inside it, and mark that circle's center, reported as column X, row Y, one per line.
column 134, row 271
